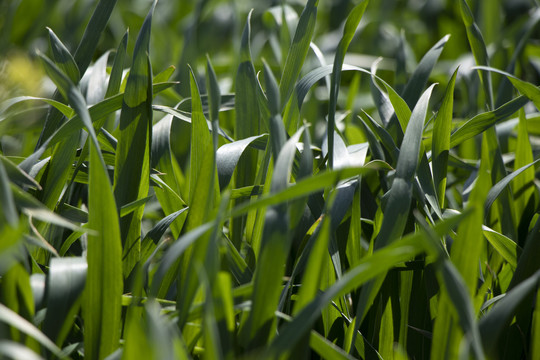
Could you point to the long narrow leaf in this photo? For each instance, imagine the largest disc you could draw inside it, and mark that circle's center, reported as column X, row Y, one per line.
column 132, row 163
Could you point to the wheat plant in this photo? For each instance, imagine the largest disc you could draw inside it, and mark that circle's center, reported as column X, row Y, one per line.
column 304, row 179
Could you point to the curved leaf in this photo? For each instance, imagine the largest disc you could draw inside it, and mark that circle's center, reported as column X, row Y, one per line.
column 227, row 157
column 494, row 322
column 65, row 283
column 13, row 319
column 496, row 190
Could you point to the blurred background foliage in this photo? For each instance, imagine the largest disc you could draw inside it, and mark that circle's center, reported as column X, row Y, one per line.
column 185, row 31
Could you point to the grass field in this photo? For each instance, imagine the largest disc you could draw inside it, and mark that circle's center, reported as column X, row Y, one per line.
column 269, row 179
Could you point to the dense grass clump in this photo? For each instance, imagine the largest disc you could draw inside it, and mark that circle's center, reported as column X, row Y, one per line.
column 335, row 179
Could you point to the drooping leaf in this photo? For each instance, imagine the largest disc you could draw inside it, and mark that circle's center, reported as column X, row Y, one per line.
column 228, row 155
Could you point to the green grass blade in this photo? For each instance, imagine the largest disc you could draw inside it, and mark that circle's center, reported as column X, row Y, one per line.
column 508, row 249
column 71, row 93
column 104, row 285
column 237, row 265
column 272, row 91
column 325, row 348
column 185, row 116
column 247, row 121
column 159, row 229
column 419, row 78
column 496, row 190
column 176, row 250
column 246, row 105
column 228, row 155
column 210, row 336
column 224, row 314
column 97, row 81
column 302, row 188
column 202, row 194
column 32, row 207
column 8, row 316
column 65, row 283
column 465, row 256
column 298, row 50
column 484, row 121
column 83, row 57
column 284, row 163
column 64, row 153
column 526, row 88
column 172, row 191
column 382, row 137
column 386, row 331
column 527, row 262
column 478, row 47
column 348, row 32
column 321, row 345
column 152, row 335
column 504, row 92
column 7, row 201
column 399, row 198
column 278, row 135
column 214, row 100
column 63, row 58
column 441, row 140
column 17, row 175
column 314, row 268
column 14, row 350
column 64, row 109
column 132, row 163
column 305, row 170
column 525, row 194
column 104, row 281
column 203, row 197
column 400, row 106
column 367, row 269
column 457, row 292
column 74, row 124
column 96, row 25
column 401, row 191
column 500, row 316
column 115, row 79
column 276, row 242
column 16, row 291
column 171, row 194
